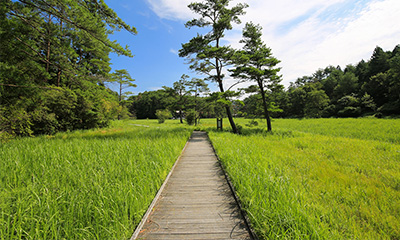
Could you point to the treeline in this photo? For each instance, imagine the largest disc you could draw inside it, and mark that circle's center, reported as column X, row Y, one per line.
column 365, row 89
column 188, row 99
column 369, row 88
column 54, row 60
column 145, row 105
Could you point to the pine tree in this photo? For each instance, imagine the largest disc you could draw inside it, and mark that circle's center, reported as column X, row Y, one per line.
column 256, row 63
column 206, row 53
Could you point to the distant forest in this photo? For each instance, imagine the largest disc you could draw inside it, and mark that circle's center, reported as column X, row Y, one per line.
column 369, row 88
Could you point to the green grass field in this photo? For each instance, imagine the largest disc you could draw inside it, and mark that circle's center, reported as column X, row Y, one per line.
column 309, row 179
column 317, row 178
column 85, row 184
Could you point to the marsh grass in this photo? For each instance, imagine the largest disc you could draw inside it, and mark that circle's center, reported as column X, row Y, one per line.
column 85, row 184
column 316, row 183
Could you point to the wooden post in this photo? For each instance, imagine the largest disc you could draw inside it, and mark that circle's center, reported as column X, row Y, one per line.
column 219, row 124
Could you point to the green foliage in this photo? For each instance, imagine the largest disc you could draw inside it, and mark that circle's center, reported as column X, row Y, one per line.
column 316, row 102
column 54, row 59
column 367, row 88
column 61, row 109
column 252, row 123
column 317, row 178
column 85, row 184
column 124, row 80
column 206, row 53
column 145, row 104
column 180, row 94
column 163, row 115
column 191, row 116
column 15, row 121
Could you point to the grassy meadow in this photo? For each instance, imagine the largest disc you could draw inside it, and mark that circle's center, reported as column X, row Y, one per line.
column 316, row 178
column 93, row 184
column 309, row 179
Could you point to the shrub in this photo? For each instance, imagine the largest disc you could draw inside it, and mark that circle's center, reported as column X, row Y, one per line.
column 15, row 121
column 239, row 128
column 252, row 123
column 191, row 117
column 162, row 115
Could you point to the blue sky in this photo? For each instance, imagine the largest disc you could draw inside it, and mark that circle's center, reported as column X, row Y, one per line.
column 304, row 34
column 154, row 63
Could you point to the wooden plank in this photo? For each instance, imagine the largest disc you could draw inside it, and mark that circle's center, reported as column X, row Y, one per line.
column 196, row 202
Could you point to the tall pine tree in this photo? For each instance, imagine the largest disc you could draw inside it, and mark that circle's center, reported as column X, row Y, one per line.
column 206, row 53
column 256, row 63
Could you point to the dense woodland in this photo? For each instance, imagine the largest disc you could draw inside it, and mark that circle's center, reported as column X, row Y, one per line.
column 54, row 61
column 54, row 66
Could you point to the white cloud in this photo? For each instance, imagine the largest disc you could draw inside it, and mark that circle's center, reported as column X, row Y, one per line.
column 318, row 44
column 173, row 51
column 310, row 34
column 171, row 9
column 154, row 88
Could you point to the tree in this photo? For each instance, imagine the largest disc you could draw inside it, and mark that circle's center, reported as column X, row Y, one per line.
column 379, row 62
column 53, row 57
column 198, row 87
column 316, row 101
column 256, row 63
column 181, row 94
column 124, row 80
column 207, row 55
column 145, row 104
column 162, row 115
column 347, row 84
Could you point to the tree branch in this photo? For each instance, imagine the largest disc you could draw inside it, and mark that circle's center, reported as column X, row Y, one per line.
column 237, row 83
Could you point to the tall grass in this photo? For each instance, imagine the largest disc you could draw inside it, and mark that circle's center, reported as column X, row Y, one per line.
column 85, row 184
column 387, row 130
column 302, row 185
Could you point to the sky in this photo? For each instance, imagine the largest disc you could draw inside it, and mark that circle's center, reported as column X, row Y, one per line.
column 304, row 35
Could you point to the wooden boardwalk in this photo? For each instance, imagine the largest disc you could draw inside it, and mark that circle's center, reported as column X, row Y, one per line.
column 196, row 202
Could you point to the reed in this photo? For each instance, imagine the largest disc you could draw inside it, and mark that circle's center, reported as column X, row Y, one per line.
column 301, row 182
column 85, row 184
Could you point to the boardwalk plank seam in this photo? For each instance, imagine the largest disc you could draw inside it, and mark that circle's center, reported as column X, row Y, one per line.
column 153, row 203
column 171, row 211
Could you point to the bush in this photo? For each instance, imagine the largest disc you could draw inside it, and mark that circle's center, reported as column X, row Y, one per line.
column 350, row 112
column 15, row 121
column 239, row 128
column 191, row 117
column 44, row 122
column 252, row 123
column 162, row 115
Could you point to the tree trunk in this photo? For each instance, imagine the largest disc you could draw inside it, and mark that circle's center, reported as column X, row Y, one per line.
column 266, row 112
column 180, row 115
column 230, row 117
column 228, row 111
column 120, row 93
column 48, row 47
column 221, row 88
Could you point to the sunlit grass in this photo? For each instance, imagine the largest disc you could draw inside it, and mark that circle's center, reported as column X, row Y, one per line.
column 309, row 179
column 296, row 184
column 387, row 130
column 85, row 184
